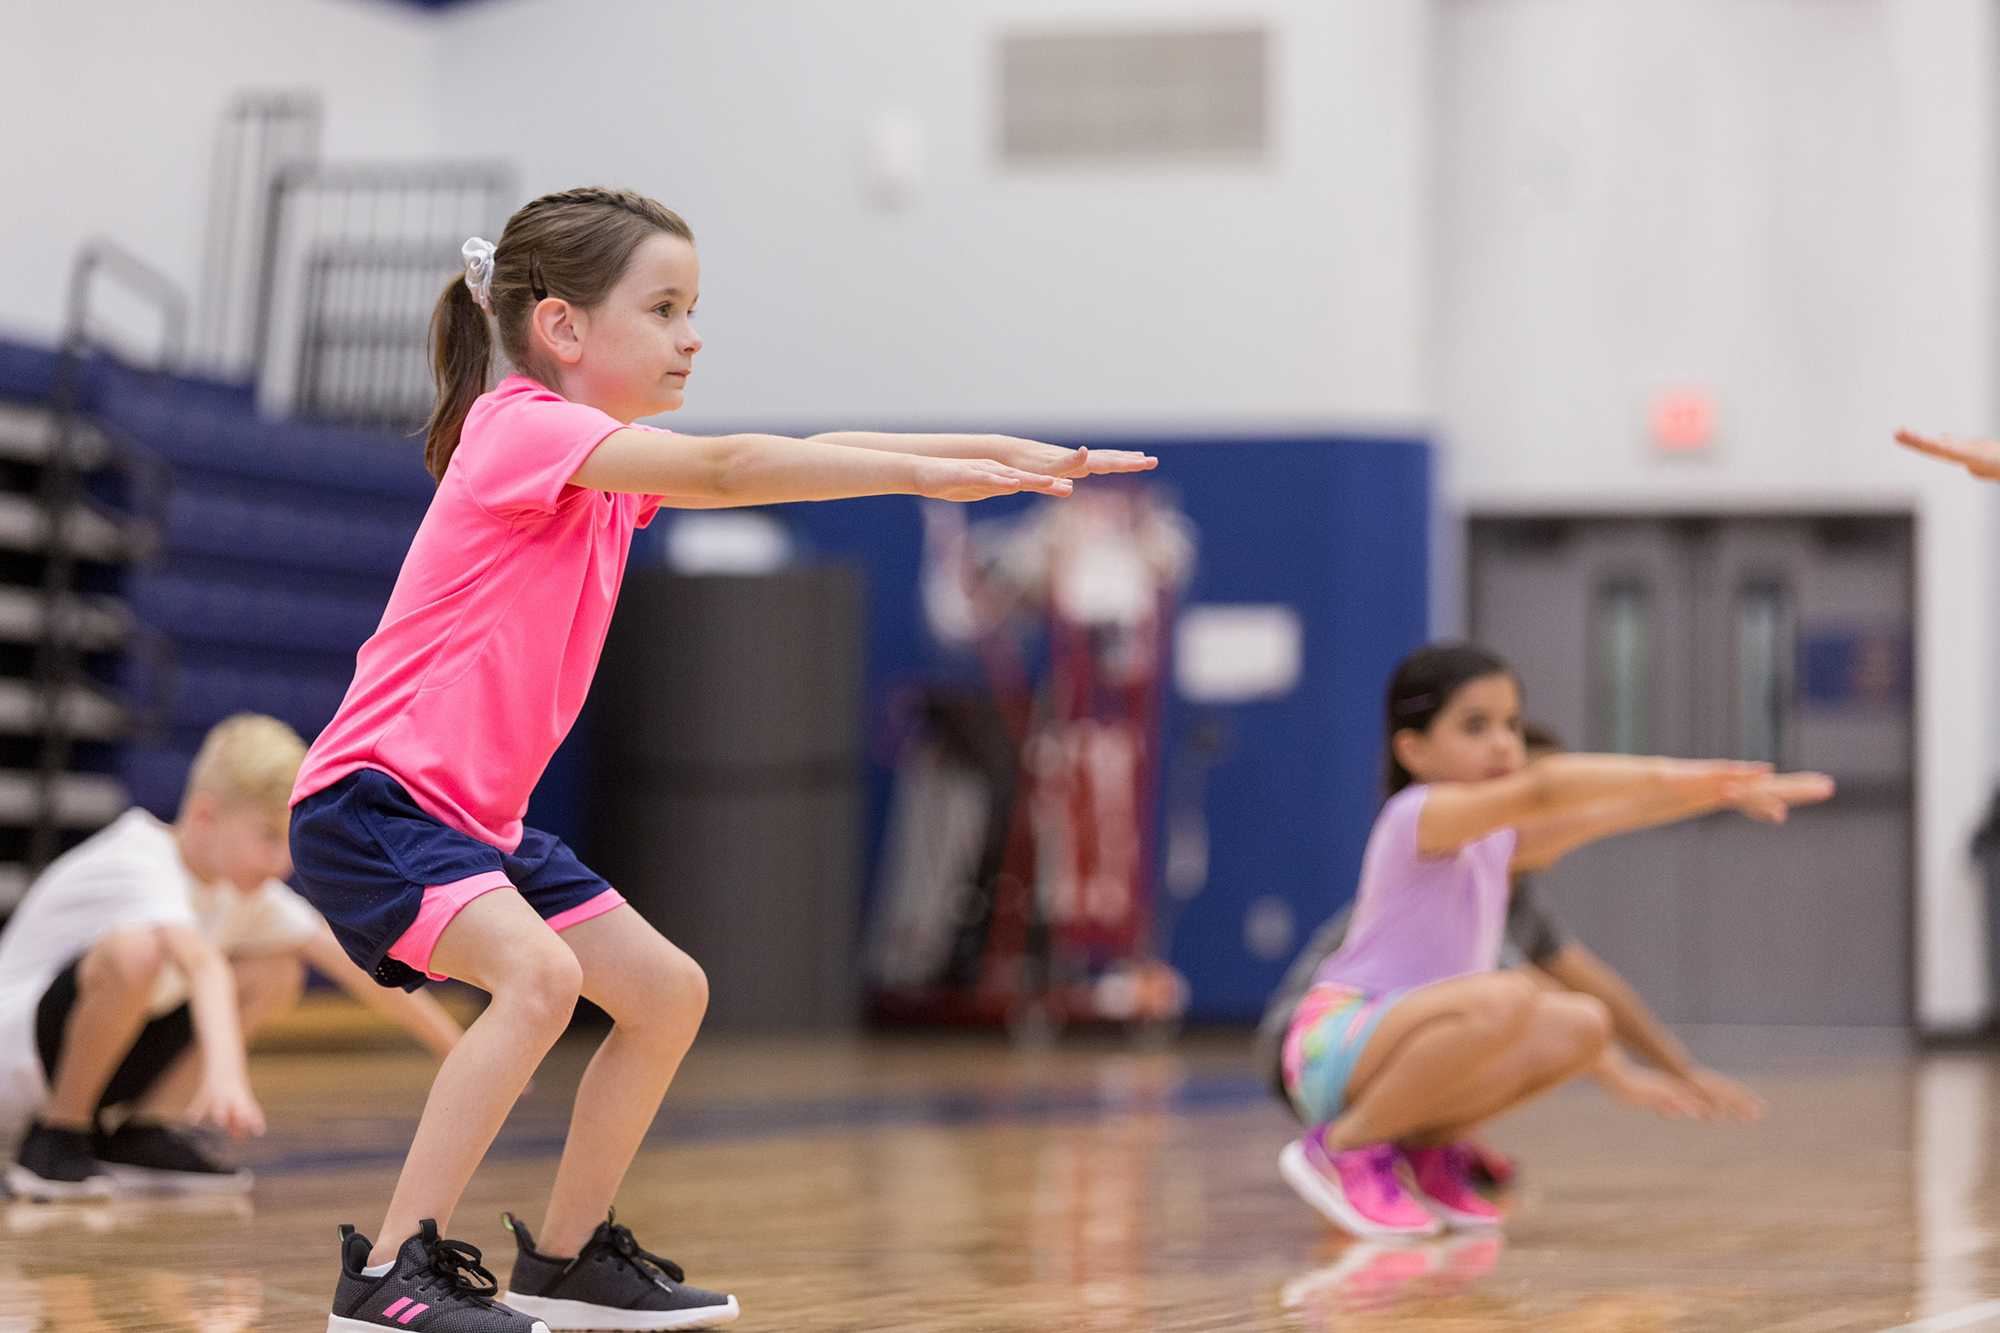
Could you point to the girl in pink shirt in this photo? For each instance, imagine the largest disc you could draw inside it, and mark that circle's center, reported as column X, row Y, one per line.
column 1409, row 1038
column 406, row 819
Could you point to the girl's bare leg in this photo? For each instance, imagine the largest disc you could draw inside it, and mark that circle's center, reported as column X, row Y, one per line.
column 1429, row 1057
column 656, row 996
column 1564, row 1038
column 499, row 944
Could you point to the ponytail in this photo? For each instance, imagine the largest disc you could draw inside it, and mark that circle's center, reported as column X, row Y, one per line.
column 461, row 361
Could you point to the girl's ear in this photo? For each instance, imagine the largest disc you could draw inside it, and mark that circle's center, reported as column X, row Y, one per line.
column 557, row 329
column 1408, row 746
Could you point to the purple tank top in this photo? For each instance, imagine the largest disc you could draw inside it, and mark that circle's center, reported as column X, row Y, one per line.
column 1419, row 919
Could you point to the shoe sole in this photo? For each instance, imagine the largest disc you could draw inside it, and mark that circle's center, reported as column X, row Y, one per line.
column 1453, row 1218
column 153, row 1180
column 336, row 1324
column 1330, row 1203
column 563, row 1315
column 27, row 1185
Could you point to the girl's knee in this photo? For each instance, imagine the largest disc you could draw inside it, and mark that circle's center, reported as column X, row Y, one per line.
column 1506, row 1003
column 670, row 993
column 542, row 984
column 1590, row 1023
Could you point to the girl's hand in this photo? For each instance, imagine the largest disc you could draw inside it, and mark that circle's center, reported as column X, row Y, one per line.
column 1769, row 799
column 1979, row 457
column 1725, row 1096
column 1723, row 781
column 227, row 1101
column 1658, row 1092
column 966, row 479
column 1052, row 461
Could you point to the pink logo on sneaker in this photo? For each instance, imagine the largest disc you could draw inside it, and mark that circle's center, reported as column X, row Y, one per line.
column 1367, row 1180
column 408, row 1314
column 1443, row 1177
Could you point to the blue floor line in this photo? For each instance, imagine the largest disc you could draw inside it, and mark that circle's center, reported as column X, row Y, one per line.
column 738, row 1121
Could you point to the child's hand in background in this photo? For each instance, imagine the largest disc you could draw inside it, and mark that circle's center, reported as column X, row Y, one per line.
column 1725, row 1096
column 1723, row 781
column 227, row 1100
column 1770, row 798
column 1979, row 457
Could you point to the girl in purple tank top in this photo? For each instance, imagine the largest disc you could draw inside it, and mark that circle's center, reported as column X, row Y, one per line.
column 1409, row 1037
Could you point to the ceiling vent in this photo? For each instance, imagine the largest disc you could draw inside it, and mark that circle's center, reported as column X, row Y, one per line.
column 1134, row 96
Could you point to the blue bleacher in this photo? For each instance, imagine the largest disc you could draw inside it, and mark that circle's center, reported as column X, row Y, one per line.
column 279, row 545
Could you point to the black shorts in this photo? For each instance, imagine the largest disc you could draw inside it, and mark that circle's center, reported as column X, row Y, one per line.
column 159, row 1043
column 367, row 854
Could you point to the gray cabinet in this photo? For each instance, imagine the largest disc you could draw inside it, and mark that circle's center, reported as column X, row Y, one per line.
column 727, row 783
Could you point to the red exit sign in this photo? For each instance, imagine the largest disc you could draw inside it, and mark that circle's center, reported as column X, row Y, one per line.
column 1680, row 419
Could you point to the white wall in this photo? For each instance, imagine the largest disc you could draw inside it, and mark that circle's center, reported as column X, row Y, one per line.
column 1288, row 291
column 1790, row 201
column 112, row 108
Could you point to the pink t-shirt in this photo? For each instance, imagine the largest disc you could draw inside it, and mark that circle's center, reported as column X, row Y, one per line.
column 491, row 637
column 1419, row 919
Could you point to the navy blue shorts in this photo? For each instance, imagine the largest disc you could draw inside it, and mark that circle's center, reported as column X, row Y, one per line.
column 382, row 871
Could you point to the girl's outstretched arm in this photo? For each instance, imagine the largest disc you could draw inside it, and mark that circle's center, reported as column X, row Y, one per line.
column 1027, row 455
column 1456, row 813
column 1979, row 457
column 1547, row 838
column 723, row 470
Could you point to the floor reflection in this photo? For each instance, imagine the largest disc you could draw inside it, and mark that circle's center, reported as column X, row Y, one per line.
column 1951, row 1128
column 117, row 1299
column 1381, row 1275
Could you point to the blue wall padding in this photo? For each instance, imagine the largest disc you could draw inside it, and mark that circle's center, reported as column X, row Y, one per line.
column 1337, row 528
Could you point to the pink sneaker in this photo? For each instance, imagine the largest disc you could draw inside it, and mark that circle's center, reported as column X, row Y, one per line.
column 1443, row 1179
column 1356, row 1190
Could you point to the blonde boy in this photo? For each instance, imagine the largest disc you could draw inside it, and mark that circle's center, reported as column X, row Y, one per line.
column 139, row 961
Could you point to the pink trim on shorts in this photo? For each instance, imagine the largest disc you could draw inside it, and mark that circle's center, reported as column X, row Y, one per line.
column 442, row 902
column 597, row 906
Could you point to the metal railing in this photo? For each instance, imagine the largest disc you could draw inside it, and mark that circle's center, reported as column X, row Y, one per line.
column 59, row 650
column 353, row 260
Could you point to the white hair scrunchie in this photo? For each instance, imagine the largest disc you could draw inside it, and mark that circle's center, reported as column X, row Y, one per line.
column 479, row 271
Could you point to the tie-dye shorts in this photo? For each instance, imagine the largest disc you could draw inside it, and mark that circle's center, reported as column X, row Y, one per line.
column 1328, row 1032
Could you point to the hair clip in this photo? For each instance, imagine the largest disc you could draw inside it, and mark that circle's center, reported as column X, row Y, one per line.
column 1416, row 703
column 479, row 271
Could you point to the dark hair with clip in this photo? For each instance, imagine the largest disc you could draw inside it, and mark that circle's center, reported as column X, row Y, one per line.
column 573, row 246
column 1423, row 684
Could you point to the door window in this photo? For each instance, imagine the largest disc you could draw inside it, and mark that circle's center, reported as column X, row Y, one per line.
column 1763, row 670
column 1624, row 676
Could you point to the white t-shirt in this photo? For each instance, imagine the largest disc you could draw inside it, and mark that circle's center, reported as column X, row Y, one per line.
column 129, row 874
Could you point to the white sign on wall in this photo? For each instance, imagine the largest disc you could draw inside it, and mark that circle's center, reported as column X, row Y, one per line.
column 1237, row 654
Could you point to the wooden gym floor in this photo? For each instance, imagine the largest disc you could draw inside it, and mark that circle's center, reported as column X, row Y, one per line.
column 943, row 1184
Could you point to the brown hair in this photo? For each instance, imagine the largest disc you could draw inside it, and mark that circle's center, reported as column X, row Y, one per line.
column 1423, row 684
column 573, row 246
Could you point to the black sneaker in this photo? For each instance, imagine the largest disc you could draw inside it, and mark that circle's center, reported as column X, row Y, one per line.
column 56, row 1164
column 155, row 1157
column 611, row 1284
column 437, row 1286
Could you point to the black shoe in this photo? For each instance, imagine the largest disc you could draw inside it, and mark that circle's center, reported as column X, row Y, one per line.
column 437, row 1286
column 154, row 1157
column 611, row 1284
column 56, row 1164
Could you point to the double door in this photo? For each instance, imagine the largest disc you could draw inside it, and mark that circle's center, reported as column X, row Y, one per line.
column 1784, row 639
